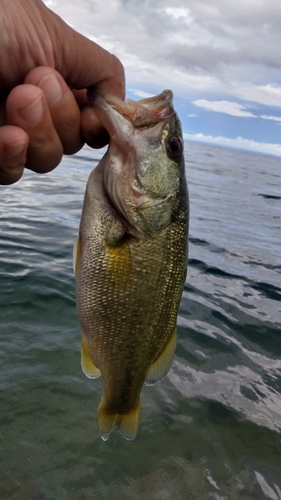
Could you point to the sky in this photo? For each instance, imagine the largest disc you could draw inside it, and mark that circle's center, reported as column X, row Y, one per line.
column 221, row 59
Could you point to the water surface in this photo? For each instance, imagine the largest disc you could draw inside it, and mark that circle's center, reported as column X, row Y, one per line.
column 212, row 428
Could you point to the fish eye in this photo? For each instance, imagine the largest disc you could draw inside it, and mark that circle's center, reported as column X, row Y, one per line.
column 174, row 147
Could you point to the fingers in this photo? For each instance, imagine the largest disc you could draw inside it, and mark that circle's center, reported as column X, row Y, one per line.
column 63, row 108
column 93, row 131
column 71, row 123
column 45, row 119
column 26, row 108
column 45, row 109
column 13, row 147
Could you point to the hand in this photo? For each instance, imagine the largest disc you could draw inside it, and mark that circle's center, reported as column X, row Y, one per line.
column 45, row 69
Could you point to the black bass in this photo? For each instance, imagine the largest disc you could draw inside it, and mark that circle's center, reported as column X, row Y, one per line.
column 130, row 258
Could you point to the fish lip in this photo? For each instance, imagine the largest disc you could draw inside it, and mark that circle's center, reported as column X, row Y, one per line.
column 125, row 119
column 144, row 113
column 162, row 99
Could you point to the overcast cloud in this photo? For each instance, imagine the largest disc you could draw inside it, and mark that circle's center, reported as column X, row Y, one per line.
column 221, row 44
column 225, row 51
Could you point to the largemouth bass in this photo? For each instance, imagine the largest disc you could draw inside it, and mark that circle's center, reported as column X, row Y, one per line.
column 130, row 258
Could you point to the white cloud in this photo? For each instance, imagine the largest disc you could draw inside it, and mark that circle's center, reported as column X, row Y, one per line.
column 238, row 143
column 228, row 107
column 269, row 94
column 141, row 93
column 273, row 118
column 178, row 12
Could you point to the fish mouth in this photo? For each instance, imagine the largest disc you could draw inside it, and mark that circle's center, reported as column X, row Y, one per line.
column 133, row 127
column 142, row 114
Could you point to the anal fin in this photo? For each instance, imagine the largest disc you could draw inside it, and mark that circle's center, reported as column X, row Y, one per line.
column 125, row 423
column 159, row 369
column 88, row 367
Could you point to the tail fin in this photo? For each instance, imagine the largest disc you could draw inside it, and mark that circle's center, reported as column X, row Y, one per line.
column 125, row 423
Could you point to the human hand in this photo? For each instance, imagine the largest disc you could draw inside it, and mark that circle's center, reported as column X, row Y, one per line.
column 45, row 68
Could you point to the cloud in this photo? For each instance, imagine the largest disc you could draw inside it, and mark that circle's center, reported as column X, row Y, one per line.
column 141, row 93
column 269, row 94
column 228, row 107
column 273, row 118
column 238, row 143
column 215, row 43
column 212, row 53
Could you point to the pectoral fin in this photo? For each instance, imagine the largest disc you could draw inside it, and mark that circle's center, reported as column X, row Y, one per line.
column 159, row 369
column 125, row 423
column 88, row 367
column 77, row 253
column 118, row 263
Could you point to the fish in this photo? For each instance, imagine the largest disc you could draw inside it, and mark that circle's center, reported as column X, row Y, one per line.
column 130, row 256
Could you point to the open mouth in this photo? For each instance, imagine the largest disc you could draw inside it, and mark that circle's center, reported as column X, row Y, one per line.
column 142, row 114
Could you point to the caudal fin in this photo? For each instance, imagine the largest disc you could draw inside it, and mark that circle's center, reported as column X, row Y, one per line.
column 125, row 423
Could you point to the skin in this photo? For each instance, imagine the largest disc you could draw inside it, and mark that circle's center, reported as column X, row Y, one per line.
column 45, row 69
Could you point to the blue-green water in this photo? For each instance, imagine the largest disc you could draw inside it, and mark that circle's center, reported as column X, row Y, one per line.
column 212, row 428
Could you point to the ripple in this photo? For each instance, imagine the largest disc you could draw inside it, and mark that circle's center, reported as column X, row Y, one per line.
column 212, row 427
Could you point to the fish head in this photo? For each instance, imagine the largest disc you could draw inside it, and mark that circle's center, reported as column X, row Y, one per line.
column 144, row 164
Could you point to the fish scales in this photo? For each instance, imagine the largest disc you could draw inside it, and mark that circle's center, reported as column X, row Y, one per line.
column 129, row 284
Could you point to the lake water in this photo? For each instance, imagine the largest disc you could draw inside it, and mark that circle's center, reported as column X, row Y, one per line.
column 212, row 428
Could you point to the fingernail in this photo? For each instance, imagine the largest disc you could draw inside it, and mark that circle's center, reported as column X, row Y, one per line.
column 51, row 88
column 33, row 113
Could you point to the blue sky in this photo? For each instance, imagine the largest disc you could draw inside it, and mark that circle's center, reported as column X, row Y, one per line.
column 221, row 58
